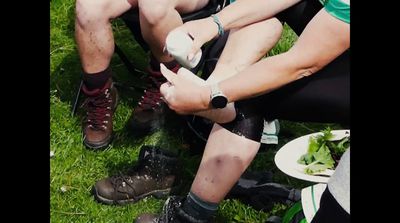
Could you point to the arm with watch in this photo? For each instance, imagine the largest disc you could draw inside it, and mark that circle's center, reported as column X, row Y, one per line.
column 217, row 98
column 329, row 37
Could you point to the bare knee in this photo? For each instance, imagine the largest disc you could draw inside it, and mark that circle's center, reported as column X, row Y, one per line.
column 274, row 28
column 267, row 30
column 268, row 34
column 154, row 11
column 91, row 12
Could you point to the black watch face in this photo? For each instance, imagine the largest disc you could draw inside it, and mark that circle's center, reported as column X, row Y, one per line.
column 219, row 101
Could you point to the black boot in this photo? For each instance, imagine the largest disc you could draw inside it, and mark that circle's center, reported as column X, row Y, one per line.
column 155, row 174
column 172, row 213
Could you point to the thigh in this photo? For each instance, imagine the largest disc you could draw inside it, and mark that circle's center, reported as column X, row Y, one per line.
column 103, row 8
column 182, row 6
column 322, row 97
column 188, row 6
column 248, row 44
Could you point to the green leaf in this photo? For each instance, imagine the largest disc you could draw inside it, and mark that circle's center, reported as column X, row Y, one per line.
column 313, row 144
column 343, row 145
column 315, row 168
column 323, row 155
column 323, row 161
column 327, row 134
column 306, row 159
column 237, row 218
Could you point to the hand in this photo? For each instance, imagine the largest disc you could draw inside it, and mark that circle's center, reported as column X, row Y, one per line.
column 184, row 92
column 201, row 31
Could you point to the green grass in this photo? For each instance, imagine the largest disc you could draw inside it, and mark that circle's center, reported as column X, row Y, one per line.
column 74, row 169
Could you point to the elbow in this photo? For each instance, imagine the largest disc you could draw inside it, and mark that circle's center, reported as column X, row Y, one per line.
column 306, row 71
column 305, row 67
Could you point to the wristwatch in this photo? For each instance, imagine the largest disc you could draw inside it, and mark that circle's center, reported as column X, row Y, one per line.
column 217, row 98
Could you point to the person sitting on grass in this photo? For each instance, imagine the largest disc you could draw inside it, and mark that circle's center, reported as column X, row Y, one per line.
column 310, row 82
column 95, row 41
column 156, row 172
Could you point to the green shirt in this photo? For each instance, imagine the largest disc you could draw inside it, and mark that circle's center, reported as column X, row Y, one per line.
column 339, row 9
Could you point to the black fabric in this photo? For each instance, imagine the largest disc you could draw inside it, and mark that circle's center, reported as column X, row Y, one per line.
column 298, row 15
column 192, row 207
column 330, row 210
column 321, row 97
column 248, row 122
column 212, row 55
column 258, row 190
column 97, row 80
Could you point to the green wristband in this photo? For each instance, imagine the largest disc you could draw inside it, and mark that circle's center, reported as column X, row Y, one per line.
column 220, row 28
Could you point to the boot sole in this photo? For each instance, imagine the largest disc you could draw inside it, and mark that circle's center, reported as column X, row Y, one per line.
column 99, row 146
column 156, row 193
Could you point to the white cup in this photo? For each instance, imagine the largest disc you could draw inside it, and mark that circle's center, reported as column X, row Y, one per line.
column 178, row 45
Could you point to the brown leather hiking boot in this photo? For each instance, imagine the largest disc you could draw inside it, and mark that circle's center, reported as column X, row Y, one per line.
column 155, row 174
column 98, row 125
column 149, row 114
column 172, row 213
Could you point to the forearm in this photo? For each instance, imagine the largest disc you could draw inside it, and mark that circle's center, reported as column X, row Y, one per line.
column 328, row 36
column 245, row 12
column 262, row 77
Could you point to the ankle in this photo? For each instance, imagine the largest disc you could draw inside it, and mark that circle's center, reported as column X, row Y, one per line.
column 97, row 80
column 195, row 207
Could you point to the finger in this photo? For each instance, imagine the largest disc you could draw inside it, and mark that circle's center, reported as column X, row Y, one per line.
column 188, row 75
column 168, row 74
column 195, row 47
column 165, row 90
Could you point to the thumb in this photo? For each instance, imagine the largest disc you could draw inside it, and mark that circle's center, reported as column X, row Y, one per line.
column 165, row 90
column 168, row 74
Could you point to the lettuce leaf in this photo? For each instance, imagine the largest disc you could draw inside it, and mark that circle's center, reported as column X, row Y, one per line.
column 320, row 150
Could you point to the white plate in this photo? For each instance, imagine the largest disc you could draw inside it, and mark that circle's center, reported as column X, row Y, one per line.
column 287, row 156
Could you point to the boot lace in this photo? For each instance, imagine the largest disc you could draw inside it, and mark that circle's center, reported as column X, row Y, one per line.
column 98, row 108
column 152, row 96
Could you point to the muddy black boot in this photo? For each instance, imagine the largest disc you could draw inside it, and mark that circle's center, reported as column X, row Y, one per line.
column 155, row 174
column 172, row 213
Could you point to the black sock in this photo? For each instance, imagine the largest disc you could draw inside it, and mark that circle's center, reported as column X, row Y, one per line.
column 155, row 64
column 97, row 80
column 198, row 208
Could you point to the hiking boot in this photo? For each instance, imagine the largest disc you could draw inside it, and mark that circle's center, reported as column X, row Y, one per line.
column 100, row 105
column 149, row 114
column 172, row 213
column 155, row 174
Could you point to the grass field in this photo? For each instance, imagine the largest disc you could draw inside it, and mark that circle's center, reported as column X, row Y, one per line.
column 74, row 169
